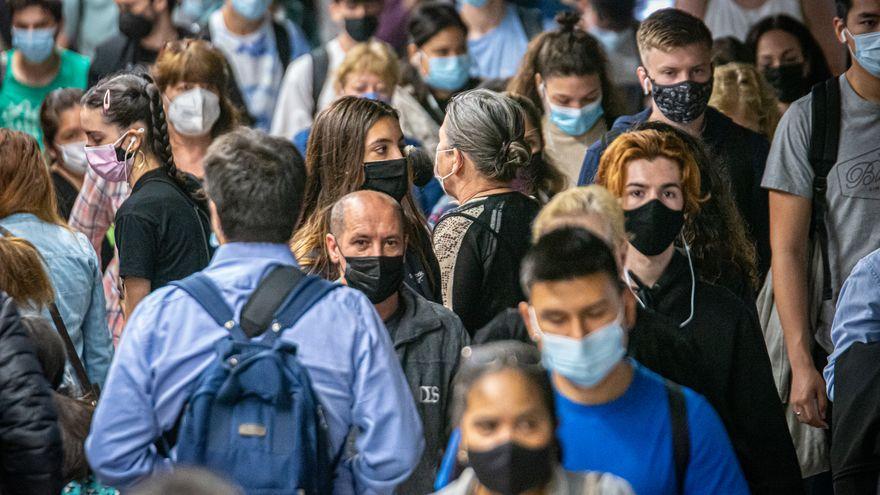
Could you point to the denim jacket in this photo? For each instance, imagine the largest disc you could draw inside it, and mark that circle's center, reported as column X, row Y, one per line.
column 74, row 270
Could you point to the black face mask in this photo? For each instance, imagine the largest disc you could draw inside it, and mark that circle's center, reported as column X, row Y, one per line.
column 378, row 277
column 134, row 26
column 683, row 102
column 653, row 227
column 387, row 176
column 788, row 80
column 363, row 28
column 511, row 469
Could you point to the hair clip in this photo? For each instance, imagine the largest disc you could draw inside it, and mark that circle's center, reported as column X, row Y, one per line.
column 106, row 102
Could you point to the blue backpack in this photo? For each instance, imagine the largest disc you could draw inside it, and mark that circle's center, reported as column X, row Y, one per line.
column 254, row 417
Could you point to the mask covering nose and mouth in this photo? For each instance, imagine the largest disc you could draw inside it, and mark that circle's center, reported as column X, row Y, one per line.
column 194, row 112
column 512, row 468
column 378, row 277
column 788, row 81
column 134, row 26
column 388, row 176
column 363, row 28
column 111, row 162
column 682, row 102
column 653, row 227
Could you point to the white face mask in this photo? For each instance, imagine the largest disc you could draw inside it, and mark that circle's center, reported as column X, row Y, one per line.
column 73, row 157
column 194, row 112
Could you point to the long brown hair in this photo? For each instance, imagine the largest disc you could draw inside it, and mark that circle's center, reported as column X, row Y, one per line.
column 197, row 61
column 566, row 51
column 335, row 165
column 23, row 276
column 25, row 183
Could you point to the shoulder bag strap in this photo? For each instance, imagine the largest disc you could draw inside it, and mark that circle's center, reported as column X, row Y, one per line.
column 75, row 361
column 282, row 43
column 824, row 142
column 681, row 438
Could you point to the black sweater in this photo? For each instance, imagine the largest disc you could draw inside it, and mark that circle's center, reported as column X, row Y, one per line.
column 739, row 378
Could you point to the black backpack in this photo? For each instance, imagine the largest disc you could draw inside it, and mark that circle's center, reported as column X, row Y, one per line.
column 824, row 143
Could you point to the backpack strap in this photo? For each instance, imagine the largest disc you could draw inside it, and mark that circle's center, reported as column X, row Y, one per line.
column 209, row 297
column 681, row 437
column 532, row 21
column 259, row 310
column 320, row 66
column 282, row 42
column 824, row 142
column 308, row 292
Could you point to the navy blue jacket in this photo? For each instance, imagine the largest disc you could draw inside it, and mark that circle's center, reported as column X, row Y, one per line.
column 741, row 152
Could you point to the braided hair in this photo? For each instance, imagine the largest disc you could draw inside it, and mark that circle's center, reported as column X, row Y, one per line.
column 127, row 98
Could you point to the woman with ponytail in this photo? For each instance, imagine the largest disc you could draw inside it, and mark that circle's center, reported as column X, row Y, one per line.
column 162, row 229
column 565, row 73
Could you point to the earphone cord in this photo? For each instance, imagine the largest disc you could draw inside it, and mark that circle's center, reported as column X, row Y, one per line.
column 687, row 250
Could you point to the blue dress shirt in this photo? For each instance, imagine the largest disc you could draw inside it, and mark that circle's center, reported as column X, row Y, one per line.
column 857, row 317
column 75, row 272
column 169, row 341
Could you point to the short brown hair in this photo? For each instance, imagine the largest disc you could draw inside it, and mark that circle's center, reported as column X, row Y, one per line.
column 198, row 61
column 648, row 145
column 668, row 29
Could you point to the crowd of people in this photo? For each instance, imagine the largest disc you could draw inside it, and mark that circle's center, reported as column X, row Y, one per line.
column 477, row 247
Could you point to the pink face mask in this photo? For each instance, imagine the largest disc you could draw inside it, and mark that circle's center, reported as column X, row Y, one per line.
column 104, row 159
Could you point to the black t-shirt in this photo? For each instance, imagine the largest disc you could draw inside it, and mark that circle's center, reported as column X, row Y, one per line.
column 65, row 194
column 480, row 246
column 161, row 233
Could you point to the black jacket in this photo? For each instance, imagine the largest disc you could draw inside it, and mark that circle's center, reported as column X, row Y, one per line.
column 653, row 342
column 30, row 441
column 428, row 339
column 121, row 53
column 739, row 379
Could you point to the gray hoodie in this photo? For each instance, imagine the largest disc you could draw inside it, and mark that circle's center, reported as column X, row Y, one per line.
column 563, row 483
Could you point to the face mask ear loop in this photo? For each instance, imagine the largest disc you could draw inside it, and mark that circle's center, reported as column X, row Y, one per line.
column 629, row 285
column 687, row 250
column 534, row 319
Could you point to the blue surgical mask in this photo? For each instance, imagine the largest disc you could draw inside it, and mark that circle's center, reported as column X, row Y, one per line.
column 867, row 51
column 251, row 9
column 448, row 73
column 476, row 3
column 576, row 121
column 36, row 45
column 373, row 95
column 586, row 361
column 198, row 10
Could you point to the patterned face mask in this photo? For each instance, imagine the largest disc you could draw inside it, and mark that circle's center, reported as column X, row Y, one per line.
column 682, row 102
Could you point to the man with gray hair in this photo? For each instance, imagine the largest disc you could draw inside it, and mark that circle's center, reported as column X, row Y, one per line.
column 367, row 242
column 255, row 183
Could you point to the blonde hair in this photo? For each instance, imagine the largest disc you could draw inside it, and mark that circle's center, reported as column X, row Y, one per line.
column 741, row 90
column 648, row 145
column 373, row 57
column 23, row 276
column 580, row 202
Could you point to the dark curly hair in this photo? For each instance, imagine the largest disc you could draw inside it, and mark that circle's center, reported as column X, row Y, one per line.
column 134, row 97
column 722, row 250
column 566, row 51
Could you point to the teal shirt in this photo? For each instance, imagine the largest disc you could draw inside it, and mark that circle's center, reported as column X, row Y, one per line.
column 20, row 104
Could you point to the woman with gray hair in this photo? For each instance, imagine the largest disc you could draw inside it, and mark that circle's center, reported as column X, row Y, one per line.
column 503, row 405
column 480, row 243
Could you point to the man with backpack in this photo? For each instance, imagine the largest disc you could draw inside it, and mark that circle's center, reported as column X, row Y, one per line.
column 307, row 87
column 824, row 203
column 258, row 48
column 279, row 381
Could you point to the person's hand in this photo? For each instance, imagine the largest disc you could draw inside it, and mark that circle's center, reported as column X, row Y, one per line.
column 807, row 396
